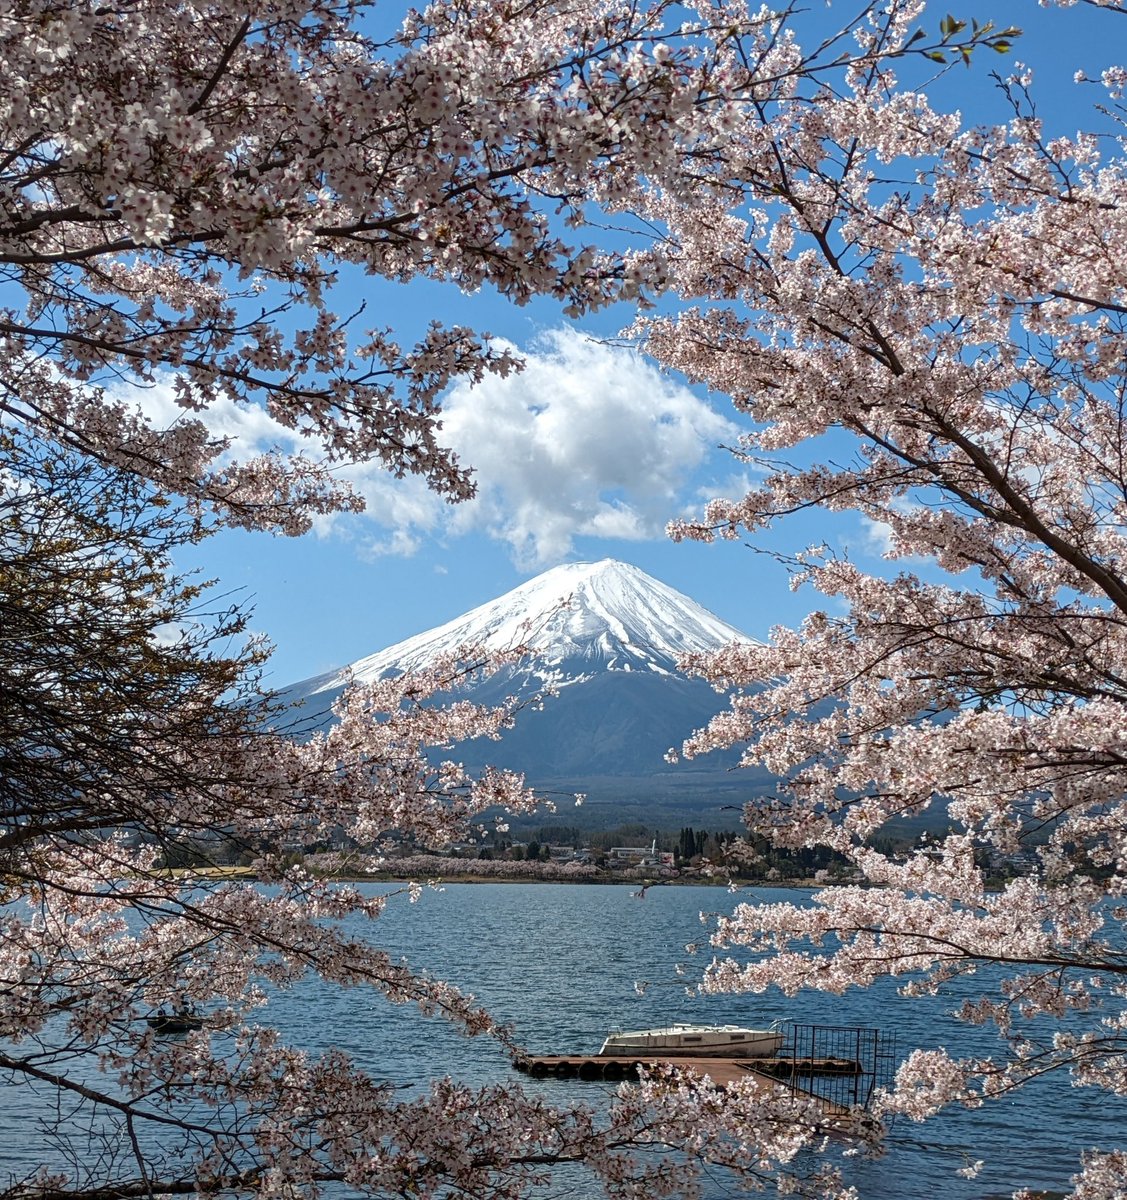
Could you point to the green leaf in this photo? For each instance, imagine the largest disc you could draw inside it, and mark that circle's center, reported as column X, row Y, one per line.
column 1001, row 47
column 936, row 56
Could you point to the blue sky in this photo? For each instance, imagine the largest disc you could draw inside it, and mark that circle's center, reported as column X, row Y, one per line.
column 585, row 455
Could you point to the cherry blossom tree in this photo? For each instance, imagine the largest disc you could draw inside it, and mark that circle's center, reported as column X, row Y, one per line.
column 184, row 190
column 924, row 321
column 182, row 195
column 131, row 732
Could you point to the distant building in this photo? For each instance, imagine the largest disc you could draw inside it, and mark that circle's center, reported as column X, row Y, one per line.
column 633, row 854
column 639, row 856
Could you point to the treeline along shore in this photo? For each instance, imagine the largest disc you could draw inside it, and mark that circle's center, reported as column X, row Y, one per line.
column 628, row 854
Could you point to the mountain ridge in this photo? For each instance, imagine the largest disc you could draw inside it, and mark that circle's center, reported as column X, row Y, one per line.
column 606, row 638
column 605, row 611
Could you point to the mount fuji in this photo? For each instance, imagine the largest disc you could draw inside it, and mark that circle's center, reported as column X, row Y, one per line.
column 606, row 637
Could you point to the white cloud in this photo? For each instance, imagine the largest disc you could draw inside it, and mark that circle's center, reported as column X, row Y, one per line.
column 733, row 486
column 589, row 439
column 878, row 538
column 252, row 430
column 400, row 543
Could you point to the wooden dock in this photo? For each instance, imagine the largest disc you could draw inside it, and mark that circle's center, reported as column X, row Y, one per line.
column 759, row 1072
column 841, row 1120
column 841, row 1068
column 721, row 1071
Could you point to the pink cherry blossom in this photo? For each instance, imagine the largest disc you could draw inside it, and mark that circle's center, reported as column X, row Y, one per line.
column 959, row 337
column 186, row 191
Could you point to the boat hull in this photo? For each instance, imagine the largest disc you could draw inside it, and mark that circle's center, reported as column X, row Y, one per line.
column 694, row 1042
column 174, row 1024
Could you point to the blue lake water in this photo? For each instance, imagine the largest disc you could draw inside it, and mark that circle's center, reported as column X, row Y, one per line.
column 561, row 964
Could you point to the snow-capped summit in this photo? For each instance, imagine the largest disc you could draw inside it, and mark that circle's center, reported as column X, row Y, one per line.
column 606, row 638
column 606, row 615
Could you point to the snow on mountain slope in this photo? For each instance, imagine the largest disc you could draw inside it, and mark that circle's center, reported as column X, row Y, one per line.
column 607, row 638
column 590, row 616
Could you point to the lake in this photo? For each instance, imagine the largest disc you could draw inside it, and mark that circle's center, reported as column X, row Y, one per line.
column 566, row 963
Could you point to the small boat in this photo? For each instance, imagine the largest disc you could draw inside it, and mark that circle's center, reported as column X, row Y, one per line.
column 704, row 1041
column 176, row 1022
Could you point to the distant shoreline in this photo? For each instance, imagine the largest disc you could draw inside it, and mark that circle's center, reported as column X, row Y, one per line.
column 232, row 874
column 693, row 881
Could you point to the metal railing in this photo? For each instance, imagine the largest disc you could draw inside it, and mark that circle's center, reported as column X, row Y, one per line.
column 840, row 1064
